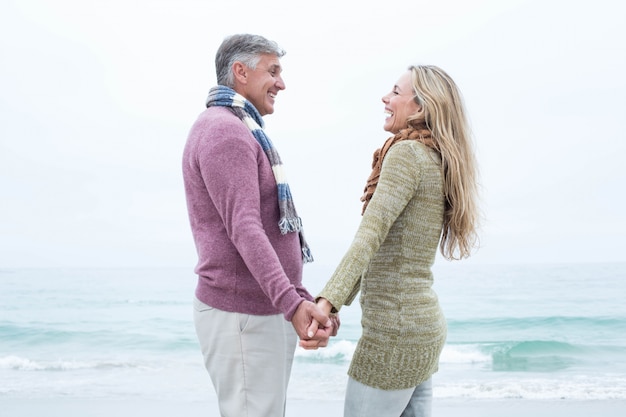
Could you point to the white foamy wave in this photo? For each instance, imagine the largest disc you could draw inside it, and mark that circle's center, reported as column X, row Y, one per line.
column 340, row 350
column 344, row 350
column 469, row 354
column 17, row 363
column 578, row 388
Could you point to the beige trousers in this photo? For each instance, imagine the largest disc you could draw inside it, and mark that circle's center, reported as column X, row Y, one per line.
column 248, row 359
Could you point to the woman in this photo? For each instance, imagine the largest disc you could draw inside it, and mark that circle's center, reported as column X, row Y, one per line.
column 420, row 196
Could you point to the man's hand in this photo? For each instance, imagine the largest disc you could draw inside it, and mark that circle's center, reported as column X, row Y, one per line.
column 322, row 333
column 307, row 321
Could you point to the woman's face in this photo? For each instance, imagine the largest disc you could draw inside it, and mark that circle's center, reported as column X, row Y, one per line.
column 399, row 104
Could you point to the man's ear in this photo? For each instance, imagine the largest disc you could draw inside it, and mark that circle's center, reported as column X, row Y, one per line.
column 241, row 72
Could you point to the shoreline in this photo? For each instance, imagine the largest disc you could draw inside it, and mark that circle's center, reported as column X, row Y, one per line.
column 132, row 407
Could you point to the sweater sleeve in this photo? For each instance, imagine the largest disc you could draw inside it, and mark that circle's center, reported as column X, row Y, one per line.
column 230, row 170
column 399, row 177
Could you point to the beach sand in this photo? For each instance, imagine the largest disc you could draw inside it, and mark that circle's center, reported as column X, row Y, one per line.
column 68, row 407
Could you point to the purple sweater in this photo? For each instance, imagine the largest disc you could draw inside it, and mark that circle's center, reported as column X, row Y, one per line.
column 245, row 264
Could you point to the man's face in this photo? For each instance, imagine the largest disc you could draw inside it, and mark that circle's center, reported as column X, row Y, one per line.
column 263, row 84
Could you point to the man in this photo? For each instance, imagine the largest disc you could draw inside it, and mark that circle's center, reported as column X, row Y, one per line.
column 248, row 237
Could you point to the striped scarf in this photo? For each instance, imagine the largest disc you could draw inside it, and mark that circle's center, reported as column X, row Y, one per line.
column 289, row 220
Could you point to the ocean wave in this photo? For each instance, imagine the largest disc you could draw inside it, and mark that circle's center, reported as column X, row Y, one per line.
column 339, row 351
column 464, row 354
column 532, row 356
column 18, row 363
column 516, row 356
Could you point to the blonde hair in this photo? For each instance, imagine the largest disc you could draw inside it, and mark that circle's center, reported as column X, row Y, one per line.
column 444, row 115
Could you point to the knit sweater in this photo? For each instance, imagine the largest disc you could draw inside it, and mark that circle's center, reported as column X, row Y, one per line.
column 390, row 261
column 244, row 264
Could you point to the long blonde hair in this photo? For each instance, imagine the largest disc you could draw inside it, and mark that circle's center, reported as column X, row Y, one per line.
column 444, row 114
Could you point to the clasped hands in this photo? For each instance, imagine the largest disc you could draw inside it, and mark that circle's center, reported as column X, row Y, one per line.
column 314, row 324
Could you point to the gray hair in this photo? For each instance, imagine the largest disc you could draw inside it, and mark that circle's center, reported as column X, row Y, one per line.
column 244, row 48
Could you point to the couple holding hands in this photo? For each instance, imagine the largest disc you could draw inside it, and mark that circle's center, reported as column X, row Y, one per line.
column 250, row 306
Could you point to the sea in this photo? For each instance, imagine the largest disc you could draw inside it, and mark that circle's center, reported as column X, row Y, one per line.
column 530, row 331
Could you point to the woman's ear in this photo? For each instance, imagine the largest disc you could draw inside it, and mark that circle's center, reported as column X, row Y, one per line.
column 419, row 114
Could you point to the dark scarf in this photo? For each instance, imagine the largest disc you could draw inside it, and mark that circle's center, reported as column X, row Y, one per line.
column 419, row 133
column 289, row 220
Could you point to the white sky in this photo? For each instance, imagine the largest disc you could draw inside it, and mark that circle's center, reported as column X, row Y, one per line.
column 97, row 98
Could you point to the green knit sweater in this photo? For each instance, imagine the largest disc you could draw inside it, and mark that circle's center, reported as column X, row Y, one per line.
column 390, row 261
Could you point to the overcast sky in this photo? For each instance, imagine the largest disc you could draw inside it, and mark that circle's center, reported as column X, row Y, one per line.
column 97, row 97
